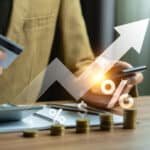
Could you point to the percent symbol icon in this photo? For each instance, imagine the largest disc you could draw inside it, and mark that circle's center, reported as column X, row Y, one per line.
column 56, row 116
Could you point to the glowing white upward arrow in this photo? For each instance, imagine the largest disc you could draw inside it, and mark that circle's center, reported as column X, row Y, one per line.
column 131, row 35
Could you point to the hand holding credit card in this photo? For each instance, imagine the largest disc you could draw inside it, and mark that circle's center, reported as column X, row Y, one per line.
column 11, row 50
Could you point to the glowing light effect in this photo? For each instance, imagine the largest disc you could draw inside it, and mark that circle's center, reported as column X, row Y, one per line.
column 97, row 78
column 126, row 101
column 108, row 87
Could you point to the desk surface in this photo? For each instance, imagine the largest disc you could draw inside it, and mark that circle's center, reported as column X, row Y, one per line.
column 118, row 139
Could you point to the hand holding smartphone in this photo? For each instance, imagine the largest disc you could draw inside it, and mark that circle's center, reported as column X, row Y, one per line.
column 129, row 72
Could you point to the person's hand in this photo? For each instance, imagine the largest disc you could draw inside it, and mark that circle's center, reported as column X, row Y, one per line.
column 133, row 79
column 2, row 57
column 96, row 98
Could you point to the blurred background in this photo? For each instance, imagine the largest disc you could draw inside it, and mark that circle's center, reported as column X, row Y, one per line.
column 102, row 15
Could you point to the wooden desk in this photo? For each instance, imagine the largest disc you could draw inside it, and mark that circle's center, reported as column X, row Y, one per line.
column 119, row 139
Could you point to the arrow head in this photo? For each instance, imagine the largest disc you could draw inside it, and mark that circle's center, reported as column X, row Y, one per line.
column 134, row 33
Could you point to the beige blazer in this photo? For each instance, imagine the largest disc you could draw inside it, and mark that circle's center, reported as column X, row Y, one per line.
column 33, row 24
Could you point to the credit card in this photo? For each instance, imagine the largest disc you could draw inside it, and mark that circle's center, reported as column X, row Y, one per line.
column 11, row 50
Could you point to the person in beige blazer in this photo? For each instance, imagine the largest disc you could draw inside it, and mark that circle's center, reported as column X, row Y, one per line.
column 32, row 25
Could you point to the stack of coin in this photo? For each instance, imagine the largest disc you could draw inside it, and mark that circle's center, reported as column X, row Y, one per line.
column 82, row 126
column 30, row 133
column 106, row 122
column 130, row 118
column 57, row 130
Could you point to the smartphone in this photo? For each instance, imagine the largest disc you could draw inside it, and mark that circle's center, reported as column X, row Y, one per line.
column 11, row 49
column 129, row 71
column 134, row 70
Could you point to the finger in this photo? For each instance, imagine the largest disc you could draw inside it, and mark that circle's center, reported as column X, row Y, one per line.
column 136, row 79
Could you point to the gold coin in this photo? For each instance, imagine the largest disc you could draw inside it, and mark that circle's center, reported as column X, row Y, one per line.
column 57, row 130
column 106, row 122
column 130, row 118
column 30, row 133
column 82, row 122
column 82, row 126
